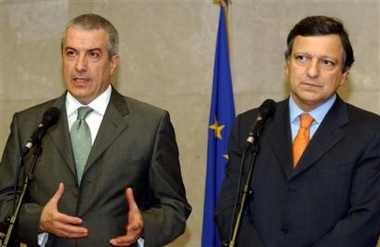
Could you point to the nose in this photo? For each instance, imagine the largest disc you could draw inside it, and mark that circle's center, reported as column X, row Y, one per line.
column 81, row 63
column 313, row 68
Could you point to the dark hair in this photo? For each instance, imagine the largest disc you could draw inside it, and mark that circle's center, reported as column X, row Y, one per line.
column 322, row 25
column 91, row 22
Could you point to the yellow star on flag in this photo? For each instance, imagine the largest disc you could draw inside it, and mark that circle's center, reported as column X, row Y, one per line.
column 217, row 129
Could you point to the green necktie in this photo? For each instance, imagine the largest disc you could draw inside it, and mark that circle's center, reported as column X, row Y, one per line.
column 81, row 140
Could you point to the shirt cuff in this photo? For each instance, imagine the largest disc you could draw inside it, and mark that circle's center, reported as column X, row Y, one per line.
column 42, row 239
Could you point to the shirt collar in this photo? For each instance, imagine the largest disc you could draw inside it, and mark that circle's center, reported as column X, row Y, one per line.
column 99, row 104
column 318, row 113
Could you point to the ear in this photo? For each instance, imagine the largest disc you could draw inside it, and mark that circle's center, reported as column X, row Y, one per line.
column 286, row 67
column 114, row 63
column 344, row 76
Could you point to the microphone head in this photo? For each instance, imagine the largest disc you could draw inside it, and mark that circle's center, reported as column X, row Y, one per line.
column 50, row 117
column 267, row 109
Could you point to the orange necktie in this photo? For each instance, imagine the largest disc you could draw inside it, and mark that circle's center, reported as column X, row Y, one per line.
column 302, row 137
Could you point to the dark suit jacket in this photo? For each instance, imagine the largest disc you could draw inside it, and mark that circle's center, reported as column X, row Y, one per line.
column 332, row 197
column 135, row 147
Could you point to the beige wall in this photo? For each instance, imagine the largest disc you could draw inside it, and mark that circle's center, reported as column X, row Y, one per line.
column 167, row 52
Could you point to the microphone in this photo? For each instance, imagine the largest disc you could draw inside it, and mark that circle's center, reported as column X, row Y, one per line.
column 49, row 118
column 266, row 111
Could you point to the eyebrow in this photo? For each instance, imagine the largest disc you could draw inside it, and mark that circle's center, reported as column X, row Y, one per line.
column 319, row 57
column 89, row 50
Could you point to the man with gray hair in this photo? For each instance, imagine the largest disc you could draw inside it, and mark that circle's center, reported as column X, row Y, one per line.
column 109, row 172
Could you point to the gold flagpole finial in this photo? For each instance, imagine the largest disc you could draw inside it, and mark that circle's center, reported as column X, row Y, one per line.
column 223, row 1
column 224, row 5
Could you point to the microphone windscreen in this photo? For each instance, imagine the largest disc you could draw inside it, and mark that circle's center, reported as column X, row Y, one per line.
column 267, row 109
column 50, row 117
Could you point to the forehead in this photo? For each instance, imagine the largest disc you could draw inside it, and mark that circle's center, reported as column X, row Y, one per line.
column 82, row 39
column 323, row 45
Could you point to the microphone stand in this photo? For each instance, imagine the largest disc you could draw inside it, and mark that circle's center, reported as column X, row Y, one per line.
column 9, row 240
column 253, row 146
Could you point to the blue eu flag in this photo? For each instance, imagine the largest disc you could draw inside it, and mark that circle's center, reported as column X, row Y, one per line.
column 222, row 114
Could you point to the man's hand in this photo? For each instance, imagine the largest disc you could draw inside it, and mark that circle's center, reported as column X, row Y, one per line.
column 61, row 225
column 135, row 225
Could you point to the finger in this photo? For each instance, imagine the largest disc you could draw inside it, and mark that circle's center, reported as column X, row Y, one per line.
column 58, row 194
column 64, row 225
column 70, row 231
column 135, row 221
column 130, row 198
column 135, row 225
column 68, row 219
column 123, row 241
column 53, row 221
column 54, row 202
column 63, row 217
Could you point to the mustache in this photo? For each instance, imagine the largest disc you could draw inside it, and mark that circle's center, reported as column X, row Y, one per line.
column 80, row 77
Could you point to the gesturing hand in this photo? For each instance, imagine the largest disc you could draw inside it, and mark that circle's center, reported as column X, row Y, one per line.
column 135, row 225
column 61, row 225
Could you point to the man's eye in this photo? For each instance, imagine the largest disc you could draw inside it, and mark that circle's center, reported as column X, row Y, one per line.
column 94, row 55
column 70, row 53
column 302, row 58
column 328, row 63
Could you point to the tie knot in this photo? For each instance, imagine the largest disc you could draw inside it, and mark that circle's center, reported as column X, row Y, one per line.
column 83, row 112
column 306, row 120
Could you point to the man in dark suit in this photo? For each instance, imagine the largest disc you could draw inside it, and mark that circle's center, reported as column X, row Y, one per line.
column 330, row 196
column 131, row 191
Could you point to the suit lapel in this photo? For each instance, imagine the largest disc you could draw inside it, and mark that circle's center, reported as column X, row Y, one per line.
column 112, row 125
column 279, row 137
column 60, row 135
column 328, row 135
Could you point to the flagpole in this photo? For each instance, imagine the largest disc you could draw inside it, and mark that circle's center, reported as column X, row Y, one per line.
column 224, row 4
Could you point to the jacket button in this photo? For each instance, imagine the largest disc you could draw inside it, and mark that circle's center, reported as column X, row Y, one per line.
column 290, row 189
column 285, row 230
column 75, row 192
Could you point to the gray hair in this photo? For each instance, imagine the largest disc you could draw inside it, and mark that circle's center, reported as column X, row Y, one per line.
column 92, row 22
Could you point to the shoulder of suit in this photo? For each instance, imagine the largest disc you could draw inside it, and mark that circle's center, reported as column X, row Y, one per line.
column 135, row 104
column 37, row 109
column 363, row 116
column 280, row 107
